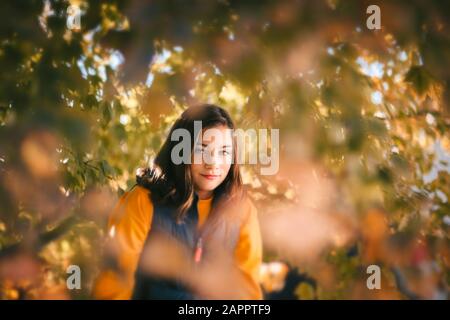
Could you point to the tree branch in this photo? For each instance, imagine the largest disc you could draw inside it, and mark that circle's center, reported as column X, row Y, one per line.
column 43, row 239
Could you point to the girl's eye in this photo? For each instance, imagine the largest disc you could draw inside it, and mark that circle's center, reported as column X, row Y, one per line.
column 225, row 152
column 199, row 150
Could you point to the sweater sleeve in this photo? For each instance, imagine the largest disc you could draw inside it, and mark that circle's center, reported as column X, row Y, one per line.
column 248, row 255
column 128, row 227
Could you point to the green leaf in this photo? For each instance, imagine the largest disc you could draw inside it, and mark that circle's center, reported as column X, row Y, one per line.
column 420, row 79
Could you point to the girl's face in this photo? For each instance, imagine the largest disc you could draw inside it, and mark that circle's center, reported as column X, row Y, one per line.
column 211, row 160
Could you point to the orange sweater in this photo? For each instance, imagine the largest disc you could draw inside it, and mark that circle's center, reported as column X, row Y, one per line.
column 128, row 228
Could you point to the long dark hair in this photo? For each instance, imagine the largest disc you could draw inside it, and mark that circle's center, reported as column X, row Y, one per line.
column 171, row 184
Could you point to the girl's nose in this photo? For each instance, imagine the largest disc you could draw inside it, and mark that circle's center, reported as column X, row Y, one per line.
column 213, row 159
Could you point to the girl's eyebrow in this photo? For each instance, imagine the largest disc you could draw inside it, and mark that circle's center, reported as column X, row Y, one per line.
column 223, row 147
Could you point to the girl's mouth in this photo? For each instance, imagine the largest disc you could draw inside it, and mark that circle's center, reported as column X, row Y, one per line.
column 210, row 176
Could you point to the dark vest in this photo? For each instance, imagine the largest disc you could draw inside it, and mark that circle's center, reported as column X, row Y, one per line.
column 148, row 286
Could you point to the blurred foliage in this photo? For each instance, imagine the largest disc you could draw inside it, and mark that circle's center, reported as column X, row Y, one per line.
column 366, row 113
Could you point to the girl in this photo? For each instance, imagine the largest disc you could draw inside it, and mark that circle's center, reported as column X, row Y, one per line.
column 186, row 231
